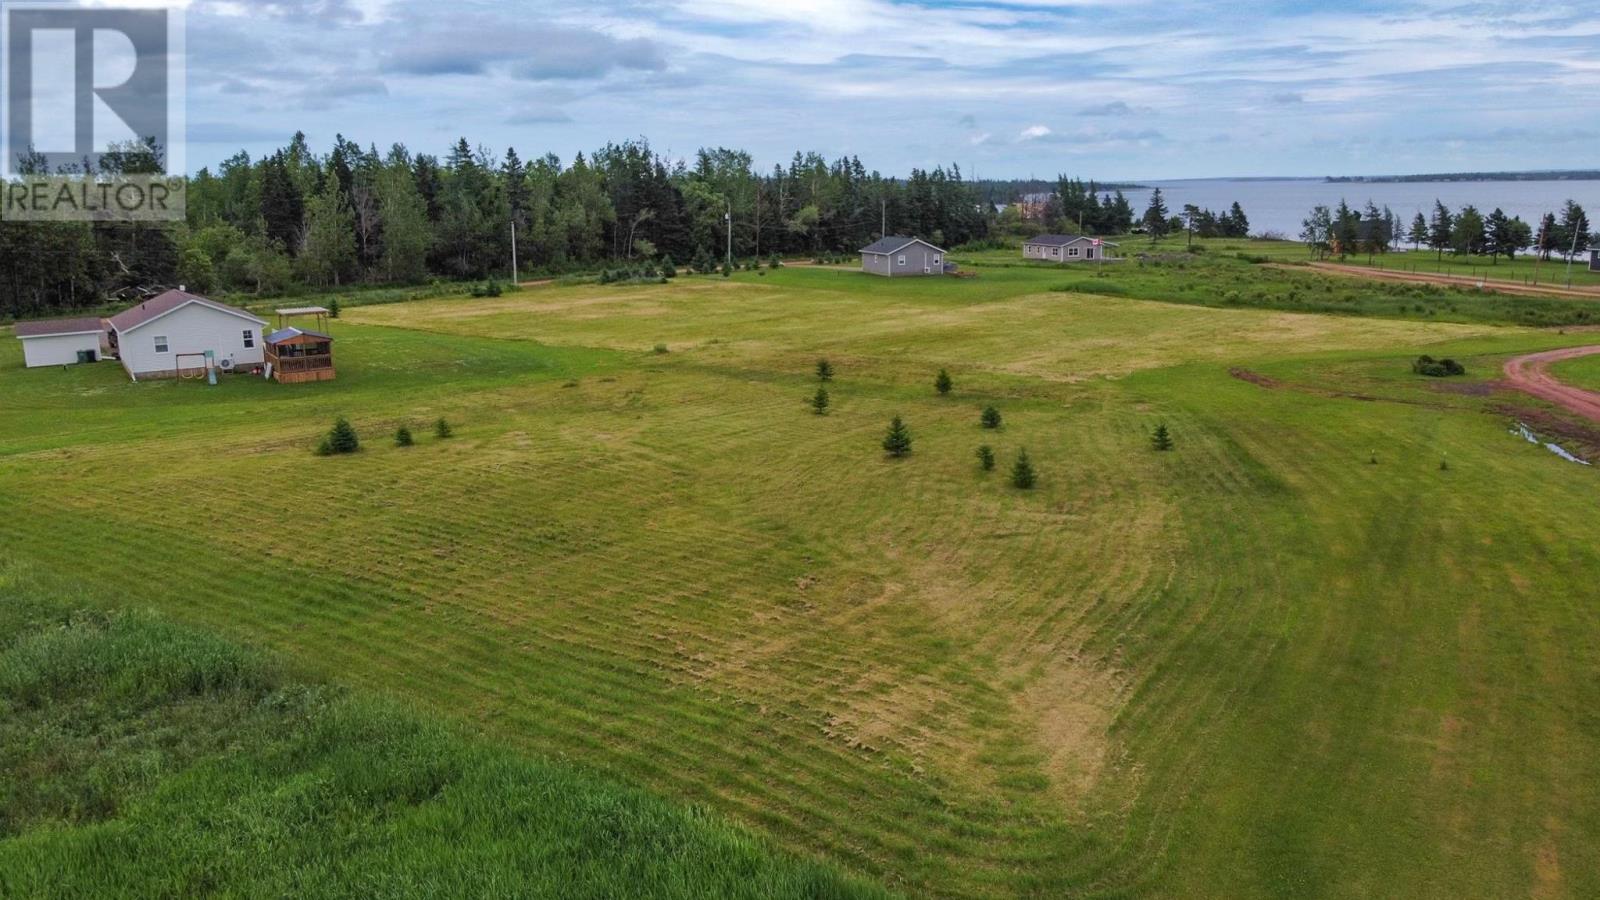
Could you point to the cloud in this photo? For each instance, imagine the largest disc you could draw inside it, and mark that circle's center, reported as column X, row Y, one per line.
column 546, row 53
column 1036, row 133
column 1114, row 108
column 1288, row 98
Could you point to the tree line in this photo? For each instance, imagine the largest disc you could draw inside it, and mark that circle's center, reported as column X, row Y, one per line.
column 297, row 219
column 1344, row 231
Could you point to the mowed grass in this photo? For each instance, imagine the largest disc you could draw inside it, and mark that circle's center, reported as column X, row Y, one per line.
column 1259, row 665
column 1583, row 371
column 142, row 759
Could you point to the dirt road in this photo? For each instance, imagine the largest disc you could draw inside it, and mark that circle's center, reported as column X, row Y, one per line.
column 1531, row 374
column 1502, row 287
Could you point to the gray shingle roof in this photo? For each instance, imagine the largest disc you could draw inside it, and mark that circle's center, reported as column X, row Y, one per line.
column 1054, row 240
column 44, row 327
column 891, row 243
column 283, row 334
column 134, row 316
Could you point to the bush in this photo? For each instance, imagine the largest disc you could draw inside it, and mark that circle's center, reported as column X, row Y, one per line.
column 442, row 429
column 1162, row 439
column 824, row 370
column 819, row 402
column 727, row 270
column 668, row 270
column 897, row 442
column 341, row 438
column 1022, row 475
column 990, row 417
column 402, row 437
column 660, row 348
column 490, row 288
column 986, row 458
column 1437, row 368
column 774, row 262
column 942, row 383
column 333, row 308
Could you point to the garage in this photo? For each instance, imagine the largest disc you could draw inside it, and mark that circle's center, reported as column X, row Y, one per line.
column 61, row 342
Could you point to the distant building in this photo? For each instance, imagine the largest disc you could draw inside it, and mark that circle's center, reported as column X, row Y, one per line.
column 62, row 342
column 897, row 256
column 295, row 355
column 179, row 333
column 1064, row 248
column 1594, row 260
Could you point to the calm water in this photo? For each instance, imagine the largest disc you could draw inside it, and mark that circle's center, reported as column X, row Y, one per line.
column 1280, row 205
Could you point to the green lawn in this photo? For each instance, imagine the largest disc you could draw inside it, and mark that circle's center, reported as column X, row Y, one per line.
column 1583, row 371
column 1260, row 665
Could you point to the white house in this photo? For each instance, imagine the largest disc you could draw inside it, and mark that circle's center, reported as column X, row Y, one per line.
column 61, row 342
column 1065, row 248
column 172, row 333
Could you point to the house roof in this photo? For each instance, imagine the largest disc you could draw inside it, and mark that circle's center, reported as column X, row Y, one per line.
column 891, row 243
column 1061, row 240
column 285, row 334
column 49, row 327
column 161, row 304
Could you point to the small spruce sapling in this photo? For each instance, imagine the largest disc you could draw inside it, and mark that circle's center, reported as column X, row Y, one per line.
column 1022, row 474
column 819, row 402
column 824, row 370
column 442, row 429
column 1162, row 439
column 897, row 442
column 402, row 437
column 990, row 417
column 341, row 438
column 986, row 458
column 333, row 308
column 943, row 384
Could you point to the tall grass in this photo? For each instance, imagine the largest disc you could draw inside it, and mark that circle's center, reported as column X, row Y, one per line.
column 141, row 758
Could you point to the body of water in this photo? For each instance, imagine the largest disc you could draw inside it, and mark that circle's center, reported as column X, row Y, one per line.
column 1279, row 205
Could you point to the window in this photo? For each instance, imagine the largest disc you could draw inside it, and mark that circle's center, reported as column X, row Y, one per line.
column 249, row 339
column 936, row 259
column 902, row 259
column 1055, row 251
column 1072, row 251
column 161, row 343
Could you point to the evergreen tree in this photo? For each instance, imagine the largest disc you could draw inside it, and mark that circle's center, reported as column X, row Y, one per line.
column 986, row 458
column 1346, row 230
column 1156, row 216
column 897, row 442
column 942, row 383
column 1162, row 439
column 1575, row 228
column 1419, row 232
column 1237, row 224
column 333, row 308
column 1440, row 228
column 1466, row 236
column 824, row 370
column 990, row 418
column 340, row 439
column 402, row 437
column 819, row 402
column 442, row 429
column 1022, row 474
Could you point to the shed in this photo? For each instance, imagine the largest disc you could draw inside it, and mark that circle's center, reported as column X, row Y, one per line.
column 1594, row 259
column 898, row 256
column 61, row 342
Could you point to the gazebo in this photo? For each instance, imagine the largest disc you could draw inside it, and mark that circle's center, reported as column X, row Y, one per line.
column 294, row 355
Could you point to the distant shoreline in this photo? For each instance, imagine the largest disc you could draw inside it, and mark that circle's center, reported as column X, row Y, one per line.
column 1559, row 175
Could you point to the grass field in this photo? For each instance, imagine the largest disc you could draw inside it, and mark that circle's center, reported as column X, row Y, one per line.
column 1260, row 665
column 138, row 759
column 1584, row 371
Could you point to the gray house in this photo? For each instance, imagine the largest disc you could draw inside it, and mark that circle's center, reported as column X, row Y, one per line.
column 1064, row 248
column 897, row 256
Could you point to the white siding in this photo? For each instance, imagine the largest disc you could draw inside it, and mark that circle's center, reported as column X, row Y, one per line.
column 58, row 349
column 195, row 328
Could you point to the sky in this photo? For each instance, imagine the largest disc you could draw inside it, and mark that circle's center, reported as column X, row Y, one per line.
column 1109, row 89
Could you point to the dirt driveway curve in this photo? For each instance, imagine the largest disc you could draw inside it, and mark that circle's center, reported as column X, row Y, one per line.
column 1531, row 374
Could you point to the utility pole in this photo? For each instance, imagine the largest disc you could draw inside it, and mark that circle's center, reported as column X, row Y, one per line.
column 883, row 209
column 729, row 216
column 513, row 251
column 1574, row 251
